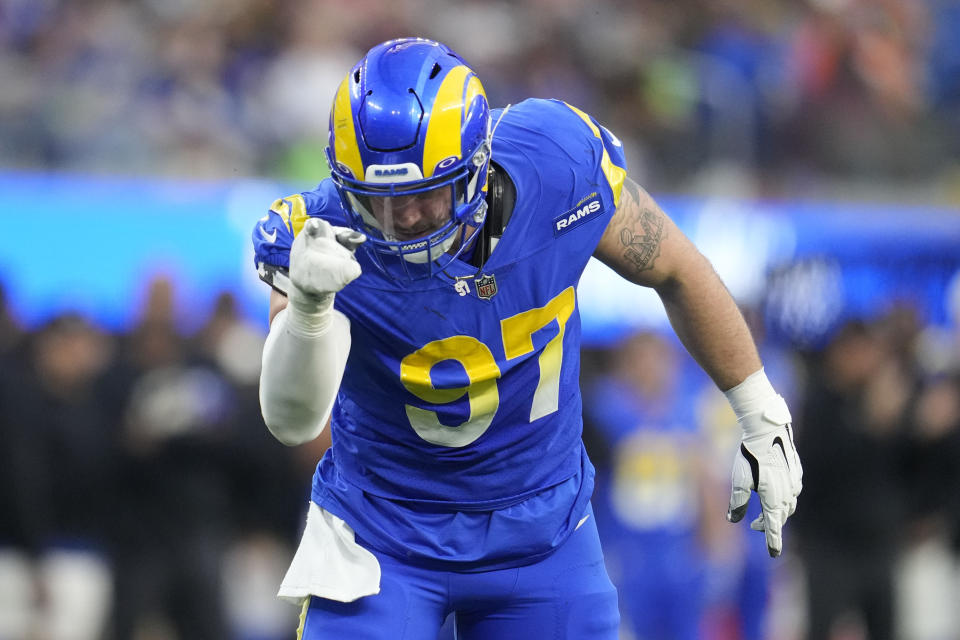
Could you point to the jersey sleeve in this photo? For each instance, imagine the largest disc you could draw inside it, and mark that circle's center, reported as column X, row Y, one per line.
column 272, row 238
column 613, row 163
column 273, row 234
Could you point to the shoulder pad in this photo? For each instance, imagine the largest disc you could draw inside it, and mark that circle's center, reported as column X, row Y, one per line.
column 613, row 162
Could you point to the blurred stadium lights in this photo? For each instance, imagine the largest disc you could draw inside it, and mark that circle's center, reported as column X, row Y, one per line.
column 90, row 244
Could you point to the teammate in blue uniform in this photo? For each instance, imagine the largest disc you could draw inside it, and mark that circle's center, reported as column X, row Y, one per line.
column 648, row 500
column 425, row 302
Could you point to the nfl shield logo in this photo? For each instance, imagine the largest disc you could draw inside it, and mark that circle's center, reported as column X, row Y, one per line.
column 486, row 287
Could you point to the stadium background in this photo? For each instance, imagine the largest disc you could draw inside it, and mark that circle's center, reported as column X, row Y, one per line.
column 810, row 148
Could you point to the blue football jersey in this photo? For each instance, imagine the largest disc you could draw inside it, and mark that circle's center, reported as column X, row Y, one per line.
column 651, row 497
column 457, row 427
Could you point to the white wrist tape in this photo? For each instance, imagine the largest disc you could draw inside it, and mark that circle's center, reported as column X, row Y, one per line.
column 303, row 362
column 309, row 316
column 758, row 407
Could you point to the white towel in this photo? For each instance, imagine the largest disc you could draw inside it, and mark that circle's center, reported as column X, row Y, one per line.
column 329, row 563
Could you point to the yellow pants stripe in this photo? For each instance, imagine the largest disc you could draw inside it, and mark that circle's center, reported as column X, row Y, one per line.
column 303, row 617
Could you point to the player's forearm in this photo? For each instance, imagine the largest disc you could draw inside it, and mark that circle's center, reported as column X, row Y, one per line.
column 711, row 327
column 302, row 370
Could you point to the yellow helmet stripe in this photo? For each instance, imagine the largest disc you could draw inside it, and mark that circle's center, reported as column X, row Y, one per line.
column 346, row 149
column 443, row 132
column 474, row 89
column 615, row 175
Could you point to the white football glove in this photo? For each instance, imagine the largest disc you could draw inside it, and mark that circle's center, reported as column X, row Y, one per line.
column 767, row 462
column 321, row 263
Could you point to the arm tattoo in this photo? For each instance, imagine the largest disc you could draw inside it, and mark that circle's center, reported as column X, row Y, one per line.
column 643, row 248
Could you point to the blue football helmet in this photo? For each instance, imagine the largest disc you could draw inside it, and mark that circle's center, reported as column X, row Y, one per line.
column 409, row 153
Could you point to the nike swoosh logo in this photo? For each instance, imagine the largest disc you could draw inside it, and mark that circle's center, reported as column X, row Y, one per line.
column 777, row 441
column 582, row 520
column 269, row 237
column 754, row 466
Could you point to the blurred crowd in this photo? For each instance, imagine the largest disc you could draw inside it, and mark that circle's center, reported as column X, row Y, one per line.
column 880, row 432
column 758, row 96
column 143, row 498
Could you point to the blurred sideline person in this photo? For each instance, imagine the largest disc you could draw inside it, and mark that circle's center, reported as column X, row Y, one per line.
column 426, row 296
column 56, row 468
column 648, row 499
column 928, row 567
column 661, row 437
column 853, row 409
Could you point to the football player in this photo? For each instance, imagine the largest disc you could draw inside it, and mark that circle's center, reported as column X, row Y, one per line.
column 424, row 300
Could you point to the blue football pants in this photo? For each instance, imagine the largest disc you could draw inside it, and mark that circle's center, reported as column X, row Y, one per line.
column 566, row 596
